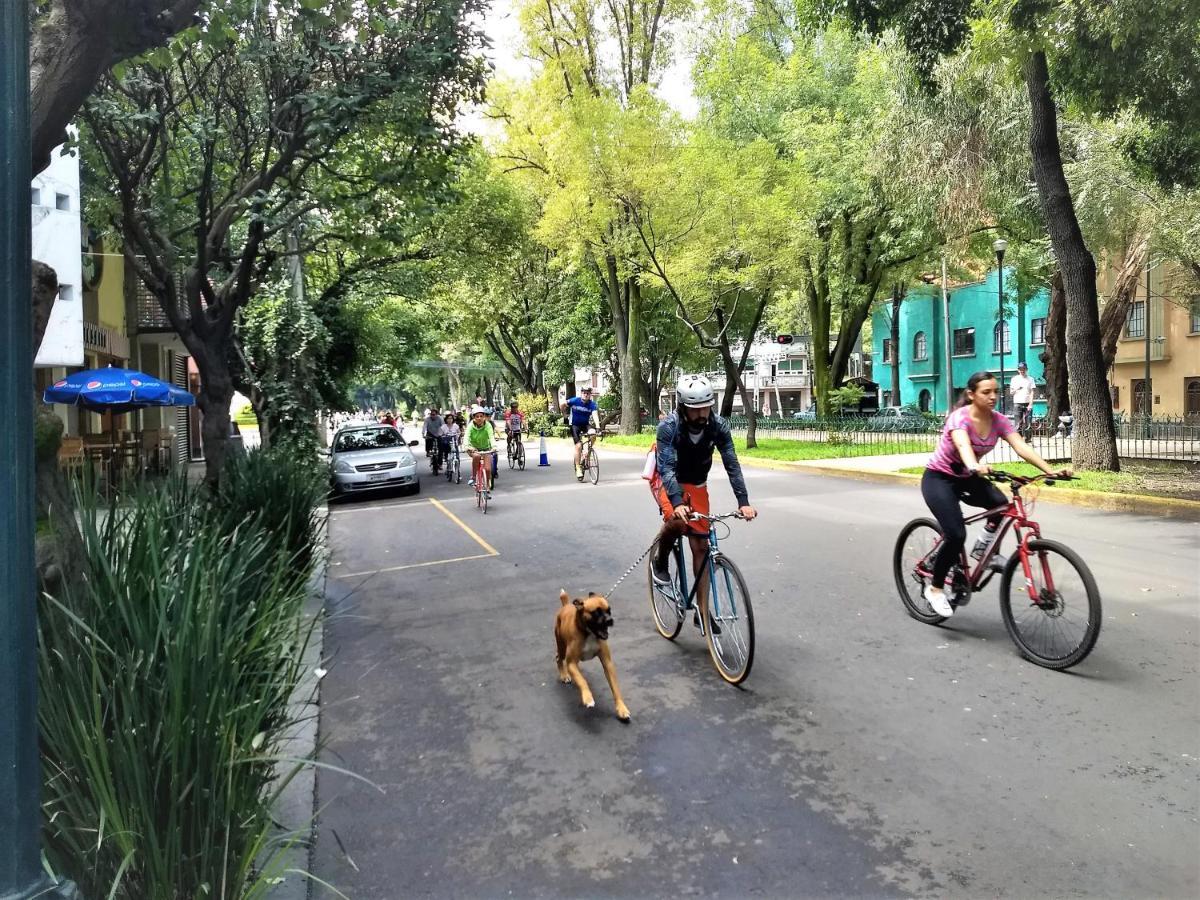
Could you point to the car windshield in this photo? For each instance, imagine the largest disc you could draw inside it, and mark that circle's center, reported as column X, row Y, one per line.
column 367, row 439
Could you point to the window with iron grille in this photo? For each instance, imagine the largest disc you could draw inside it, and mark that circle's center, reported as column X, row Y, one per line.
column 1037, row 331
column 964, row 341
column 1135, row 324
column 1191, row 393
column 1194, row 319
column 1000, row 338
column 920, row 346
column 888, row 351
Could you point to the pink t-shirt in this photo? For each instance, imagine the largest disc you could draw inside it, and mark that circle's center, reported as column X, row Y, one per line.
column 946, row 458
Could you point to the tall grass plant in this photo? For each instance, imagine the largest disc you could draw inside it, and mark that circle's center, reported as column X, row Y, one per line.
column 165, row 677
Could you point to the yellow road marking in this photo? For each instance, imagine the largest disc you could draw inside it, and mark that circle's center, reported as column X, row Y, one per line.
column 491, row 551
column 436, row 562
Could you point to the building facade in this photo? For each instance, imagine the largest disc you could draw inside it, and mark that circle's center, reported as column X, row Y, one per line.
column 1163, row 335
column 976, row 340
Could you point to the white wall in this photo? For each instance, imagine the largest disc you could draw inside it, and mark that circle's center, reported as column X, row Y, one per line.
column 56, row 242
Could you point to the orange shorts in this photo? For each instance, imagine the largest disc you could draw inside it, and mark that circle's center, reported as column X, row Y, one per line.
column 695, row 496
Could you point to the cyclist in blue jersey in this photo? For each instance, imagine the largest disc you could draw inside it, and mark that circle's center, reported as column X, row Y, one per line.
column 581, row 411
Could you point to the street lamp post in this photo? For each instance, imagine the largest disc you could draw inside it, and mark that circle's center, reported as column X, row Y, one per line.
column 20, row 771
column 1000, row 246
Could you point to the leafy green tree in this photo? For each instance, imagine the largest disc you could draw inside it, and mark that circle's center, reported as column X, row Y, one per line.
column 1103, row 58
column 218, row 146
column 598, row 60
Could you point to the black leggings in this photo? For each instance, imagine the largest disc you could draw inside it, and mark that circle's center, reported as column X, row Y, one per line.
column 942, row 494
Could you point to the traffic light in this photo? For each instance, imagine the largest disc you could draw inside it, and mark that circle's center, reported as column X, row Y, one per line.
column 783, row 338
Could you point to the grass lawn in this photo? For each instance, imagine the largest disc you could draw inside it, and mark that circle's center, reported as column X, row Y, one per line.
column 1135, row 480
column 783, row 450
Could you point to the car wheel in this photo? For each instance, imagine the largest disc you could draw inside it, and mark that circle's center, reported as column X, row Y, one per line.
column 416, row 489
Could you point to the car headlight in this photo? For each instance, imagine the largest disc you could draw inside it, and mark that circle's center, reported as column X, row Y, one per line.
column 343, row 467
column 407, row 459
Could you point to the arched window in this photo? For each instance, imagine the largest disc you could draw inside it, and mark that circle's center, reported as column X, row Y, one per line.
column 919, row 346
column 924, row 399
column 1000, row 336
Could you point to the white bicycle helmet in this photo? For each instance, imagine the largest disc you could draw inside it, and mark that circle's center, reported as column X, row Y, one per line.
column 695, row 391
column 476, row 410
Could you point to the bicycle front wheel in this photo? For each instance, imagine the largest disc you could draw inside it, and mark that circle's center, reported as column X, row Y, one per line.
column 668, row 618
column 1059, row 624
column 729, row 608
column 593, row 466
column 911, row 563
column 521, row 455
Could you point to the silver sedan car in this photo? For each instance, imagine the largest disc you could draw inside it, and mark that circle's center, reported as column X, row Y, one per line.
column 367, row 457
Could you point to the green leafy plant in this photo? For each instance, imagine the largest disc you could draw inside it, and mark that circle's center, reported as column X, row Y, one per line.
column 165, row 677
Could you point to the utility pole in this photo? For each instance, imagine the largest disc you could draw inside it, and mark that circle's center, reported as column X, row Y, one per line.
column 949, row 346
column 1147, row 392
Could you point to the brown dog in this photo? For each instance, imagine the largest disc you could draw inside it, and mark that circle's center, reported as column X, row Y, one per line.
column 581, row 632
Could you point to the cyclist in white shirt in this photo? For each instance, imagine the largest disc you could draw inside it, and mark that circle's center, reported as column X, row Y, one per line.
column 1022, row 389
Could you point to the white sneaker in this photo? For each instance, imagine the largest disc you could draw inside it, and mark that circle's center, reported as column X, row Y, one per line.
column 939, row 601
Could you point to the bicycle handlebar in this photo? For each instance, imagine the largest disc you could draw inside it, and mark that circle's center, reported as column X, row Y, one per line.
column 1022, row 480
column 698, row 517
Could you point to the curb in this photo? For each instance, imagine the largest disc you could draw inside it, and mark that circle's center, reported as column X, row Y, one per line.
column 1170, row 507
column 295, row 808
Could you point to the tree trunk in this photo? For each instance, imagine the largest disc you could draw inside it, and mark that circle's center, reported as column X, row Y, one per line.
column 727, row 397
column 75, row 42
column 1094, row 446
column 1054, row 356
column 45, row 290
column 216, row 393
column 1121, row 297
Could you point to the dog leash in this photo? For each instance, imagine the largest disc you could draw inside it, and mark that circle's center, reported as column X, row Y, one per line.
column 629, row 572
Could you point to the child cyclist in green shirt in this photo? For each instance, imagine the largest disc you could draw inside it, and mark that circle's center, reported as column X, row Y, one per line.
column 481, row 445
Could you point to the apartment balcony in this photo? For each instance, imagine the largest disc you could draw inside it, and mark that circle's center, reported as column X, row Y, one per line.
column 102, row 339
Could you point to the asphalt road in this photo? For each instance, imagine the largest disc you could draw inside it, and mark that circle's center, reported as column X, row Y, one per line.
column 867, row 755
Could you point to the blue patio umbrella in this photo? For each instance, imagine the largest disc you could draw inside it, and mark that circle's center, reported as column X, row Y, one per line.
column 115, row 390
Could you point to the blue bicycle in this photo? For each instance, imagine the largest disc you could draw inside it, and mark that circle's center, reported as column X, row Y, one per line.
column 728, row 623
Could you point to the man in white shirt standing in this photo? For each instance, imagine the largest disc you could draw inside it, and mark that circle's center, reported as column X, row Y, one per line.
column 1022, row 389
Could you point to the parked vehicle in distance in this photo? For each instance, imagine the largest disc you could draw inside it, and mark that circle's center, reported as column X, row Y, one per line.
column 366, row 457
column 898, row 418
column 810, row 413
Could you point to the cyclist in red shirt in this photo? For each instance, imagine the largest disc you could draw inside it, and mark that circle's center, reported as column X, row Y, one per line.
column 514, row 422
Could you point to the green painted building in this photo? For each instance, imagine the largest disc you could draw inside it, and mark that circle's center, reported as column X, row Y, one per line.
column 975, row 341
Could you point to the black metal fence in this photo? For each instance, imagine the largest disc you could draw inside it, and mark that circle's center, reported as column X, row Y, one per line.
column 1159, row 438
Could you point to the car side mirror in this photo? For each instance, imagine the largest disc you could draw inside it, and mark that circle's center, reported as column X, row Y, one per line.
column 413, row 443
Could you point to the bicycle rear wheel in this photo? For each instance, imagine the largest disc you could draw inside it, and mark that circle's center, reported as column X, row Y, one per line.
column 1061, row 627
column 729, row 606
column 668, row 618
column 593, row 466
column 916, row 540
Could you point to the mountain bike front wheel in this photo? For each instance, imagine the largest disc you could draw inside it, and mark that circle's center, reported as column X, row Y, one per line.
column 668, row 618
column 729, row 607
column 593, row 466
column 1059, row 624
column 521, row 455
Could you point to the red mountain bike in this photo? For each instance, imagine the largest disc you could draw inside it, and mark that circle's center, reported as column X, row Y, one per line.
column 1052, row 613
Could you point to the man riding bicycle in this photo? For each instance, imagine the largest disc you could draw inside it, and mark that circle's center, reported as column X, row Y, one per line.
column 581, row 411
column 684, row 447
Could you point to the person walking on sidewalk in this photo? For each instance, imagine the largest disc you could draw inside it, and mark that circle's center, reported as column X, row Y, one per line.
column 954, row 473
column 1022, row 388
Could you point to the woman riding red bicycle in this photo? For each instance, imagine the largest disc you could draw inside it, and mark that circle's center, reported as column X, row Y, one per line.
column 954, row 473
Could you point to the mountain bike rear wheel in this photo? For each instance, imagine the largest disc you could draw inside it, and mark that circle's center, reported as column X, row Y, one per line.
column 729, row 606
column 914, row 544
column 1060, row 627
column 664, row 605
